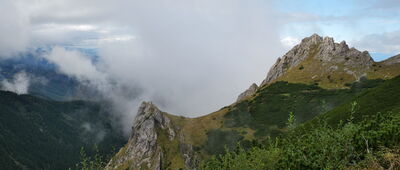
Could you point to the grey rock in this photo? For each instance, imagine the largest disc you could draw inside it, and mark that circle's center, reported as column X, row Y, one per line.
column 323, row 49
column 190, row 157
column 292, row 58
column 142, row 148
column 250, row 91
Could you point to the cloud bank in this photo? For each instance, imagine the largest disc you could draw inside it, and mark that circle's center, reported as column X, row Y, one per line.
column 188, row 57
column 14, row 29
column 387, row 42
column 19, row 84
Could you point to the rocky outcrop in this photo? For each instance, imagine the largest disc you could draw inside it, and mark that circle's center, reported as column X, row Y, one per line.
column 322, row 49
column 155, row 143
column 142, row 149
column 191, row 159
column 249, row 92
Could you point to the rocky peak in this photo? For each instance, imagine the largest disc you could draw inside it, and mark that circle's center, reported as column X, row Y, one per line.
column 313, row 39
column 250, row 91
column 148, row 112
column 142, row 149
column 322, row 49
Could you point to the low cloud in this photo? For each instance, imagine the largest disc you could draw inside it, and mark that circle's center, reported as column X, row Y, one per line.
column 73, row 63
column 14, row 29
column 188, row 57
column 290, row 42
column 19, row 84
column 95, row 76
column 387, row 42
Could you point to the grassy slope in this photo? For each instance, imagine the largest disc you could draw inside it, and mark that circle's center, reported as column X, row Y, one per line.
column 263, row 115
column 382, row 70
column 369, row 141
column 42, row 134
column 384, row 98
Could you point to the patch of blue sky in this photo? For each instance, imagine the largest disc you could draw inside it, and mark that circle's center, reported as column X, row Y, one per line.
column 381, row 56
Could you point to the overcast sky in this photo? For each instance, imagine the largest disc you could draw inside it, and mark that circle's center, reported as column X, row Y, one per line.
column 190, row 57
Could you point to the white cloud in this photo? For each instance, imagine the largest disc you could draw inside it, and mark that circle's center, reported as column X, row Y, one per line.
column 289, row 42
column 194, row 57
column 94, row 75
column 14, row 27
column 189, row 57
column 387, row 42
column 19, row 84
column 73, row 63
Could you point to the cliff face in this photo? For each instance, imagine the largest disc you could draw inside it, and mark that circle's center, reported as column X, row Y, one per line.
column 152, row 132
column 142, row 150
column 316, row 57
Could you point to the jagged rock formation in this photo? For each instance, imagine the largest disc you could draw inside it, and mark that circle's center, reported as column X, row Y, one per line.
column 142, row 150
column 250, row 91
column 146, row 146
column 331, row 56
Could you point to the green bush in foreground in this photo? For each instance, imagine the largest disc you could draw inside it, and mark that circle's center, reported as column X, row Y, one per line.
column 373, row 142
column 97, row 162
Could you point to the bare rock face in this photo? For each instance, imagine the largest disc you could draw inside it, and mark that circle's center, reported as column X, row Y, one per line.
column 250, row 91
column 323, row 49
column 142, row 150
column 153, row 134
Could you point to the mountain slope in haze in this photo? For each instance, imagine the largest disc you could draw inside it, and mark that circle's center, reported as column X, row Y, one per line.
column 43, row 78
column 42, row 134
column 314, row 77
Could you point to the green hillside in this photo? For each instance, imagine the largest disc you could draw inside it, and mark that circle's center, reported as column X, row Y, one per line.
column 384, row 98
column 265, row 115
column 362, row 133
column 43, row 134
column 258, row 118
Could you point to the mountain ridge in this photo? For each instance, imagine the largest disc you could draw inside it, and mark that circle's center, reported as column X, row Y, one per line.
column 319, row 60
column 260, row 112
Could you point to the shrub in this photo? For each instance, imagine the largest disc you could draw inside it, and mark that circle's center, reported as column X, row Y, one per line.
column 373, row 142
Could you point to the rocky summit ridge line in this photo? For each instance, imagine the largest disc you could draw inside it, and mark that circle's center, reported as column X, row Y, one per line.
column 323, row 49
